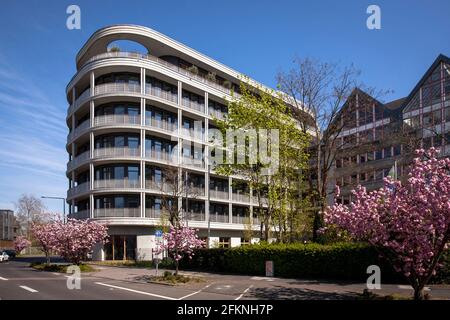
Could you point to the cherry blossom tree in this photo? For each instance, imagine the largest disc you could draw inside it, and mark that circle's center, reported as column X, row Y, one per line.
column 76, row 238
column 180, row 241
column 409, row 223
column 45, row 234
column 21, row 243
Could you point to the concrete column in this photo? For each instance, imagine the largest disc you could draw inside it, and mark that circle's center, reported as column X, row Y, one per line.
column 230, row 207
column 180, row 90
column 91, row 206
column 92, row 113
column 206, row 104
column 142, row 81
column 142, row 112
column 92, row 82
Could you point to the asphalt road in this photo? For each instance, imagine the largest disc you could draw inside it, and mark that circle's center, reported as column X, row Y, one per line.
column 19, row 282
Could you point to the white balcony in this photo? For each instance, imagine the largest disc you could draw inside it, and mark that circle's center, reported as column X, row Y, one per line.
column 200, row 107
column 161, row 125
column 219, row 218
column 117, row 119
column 195, row 216
column 79, row 189
column 147, row 57
column 116, row 184
column 156, row 213
column 116, row 152
column 82, row 214
column 192, row 162
column 119, row 88
column 163, row 94
column 158, row 186
column 82, row 128
column 218, row 194
column 240, row 197
column 117, row 213
column 164, row 157
column 78, row 160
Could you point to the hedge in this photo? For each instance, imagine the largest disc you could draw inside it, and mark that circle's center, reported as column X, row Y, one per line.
column 344, row 261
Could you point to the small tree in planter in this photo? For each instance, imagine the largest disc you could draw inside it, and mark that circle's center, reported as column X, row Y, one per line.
column 21, row 243
column 211, row 76
column 180, row 242
column 409, row 224
column 193, row 69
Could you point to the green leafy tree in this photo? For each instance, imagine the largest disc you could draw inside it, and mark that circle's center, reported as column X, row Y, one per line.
column 262, row 112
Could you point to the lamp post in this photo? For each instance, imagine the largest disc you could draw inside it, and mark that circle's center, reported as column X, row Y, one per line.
column 64, row 205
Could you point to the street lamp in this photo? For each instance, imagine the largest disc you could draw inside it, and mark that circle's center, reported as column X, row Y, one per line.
column 64, row 204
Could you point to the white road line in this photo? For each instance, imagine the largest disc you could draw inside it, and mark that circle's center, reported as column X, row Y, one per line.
column 191, row 294
column 242, row 294
column 4, row 279
column 28, row 289
column 135, row 291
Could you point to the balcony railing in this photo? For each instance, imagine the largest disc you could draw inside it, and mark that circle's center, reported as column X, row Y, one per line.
column 117, row 87
column 158, row 186
column 160, row 93
column 116, row 184
column 82, row 157
column 264, row 200
column 240, row 219
column 217, row 114
column 193, row 134
column 240, row 197
column 195, row 216
column 162, row 62
column 81, row 188
column 117, row 213
column 82, row 214
column 218, row 194
column 161, row 156
column 117, row 152
column 192, row 162
column 219, row 218
column 162, row 125
column 117, row 119
column 193, row 105
column 198, row 191
column 79, row 130
column 80, row 100
column 156, row 213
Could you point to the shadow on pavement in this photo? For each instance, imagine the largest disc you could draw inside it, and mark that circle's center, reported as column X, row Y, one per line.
column 282, row 293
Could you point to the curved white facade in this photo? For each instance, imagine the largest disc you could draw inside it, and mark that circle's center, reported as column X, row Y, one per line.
column 130, row 116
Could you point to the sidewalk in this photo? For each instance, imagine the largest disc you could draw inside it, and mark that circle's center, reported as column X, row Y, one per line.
column 271, row 288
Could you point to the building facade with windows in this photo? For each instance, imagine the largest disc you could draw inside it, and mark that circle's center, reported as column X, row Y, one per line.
column 9, row 228
column 378, row 139
column 132, row 116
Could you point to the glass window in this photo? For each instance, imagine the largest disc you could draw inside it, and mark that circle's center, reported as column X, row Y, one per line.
column 370, row 156
column 397, row 150
column 119, row 172
column 224, row 242
column 362, row 158
column 387, row 152
column 133, row 173
column 378, row 155
column 133, row 142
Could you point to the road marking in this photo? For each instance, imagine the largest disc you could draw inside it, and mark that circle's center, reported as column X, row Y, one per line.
column 28, row 289
column 4, row 279
column 191, row 294
column 242, row 294
column 135, row 291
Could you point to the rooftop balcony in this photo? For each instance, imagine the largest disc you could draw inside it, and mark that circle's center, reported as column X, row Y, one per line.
column 147, row 57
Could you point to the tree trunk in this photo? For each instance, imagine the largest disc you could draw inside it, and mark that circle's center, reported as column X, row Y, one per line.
column 47, row 256
column 418, row 293
column 176, row 267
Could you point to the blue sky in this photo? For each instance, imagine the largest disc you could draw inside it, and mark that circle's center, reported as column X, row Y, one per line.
column 258, row 38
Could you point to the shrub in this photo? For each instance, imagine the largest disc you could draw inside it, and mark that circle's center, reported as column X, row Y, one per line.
column 344, row 261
